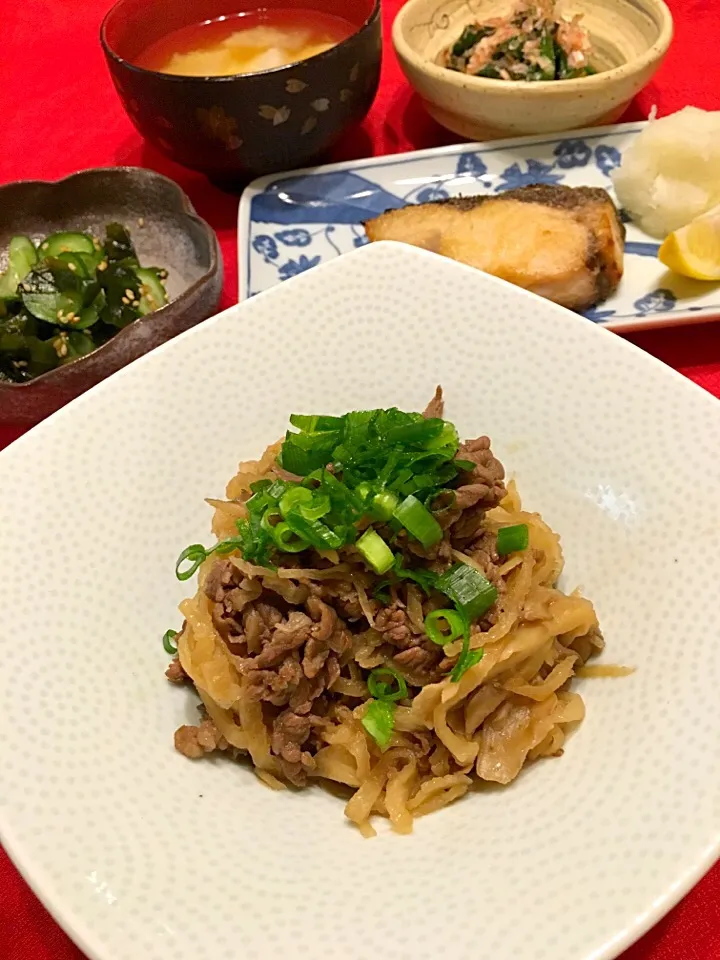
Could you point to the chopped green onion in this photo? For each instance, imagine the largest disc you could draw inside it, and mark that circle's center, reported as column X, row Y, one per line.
column 424, row 578
column 381, row 690
column 316, row 533
column 466, row 465
column 385, row 465
column 363, row 490
column 194, row 554
column 311, row 506
column 418, row 521
column 447, row 437
column 381, row 592
column 269, row 519
column 470, row 591
column 511, row 539
column 384, row 505
column 318, row 508
column 468, row 658
column 302, row 453
column 420, row 432
column 454, row 620
column 374, row 549
column 293, row 497
column 286, row 540
column 379, row 721
column 226, row 546
column 315, row 424
column 168, row 644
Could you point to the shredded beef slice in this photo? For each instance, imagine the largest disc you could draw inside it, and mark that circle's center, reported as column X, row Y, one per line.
column 290, row 662
column 393, row 623
column 195, row 742
column 175, row 672
column 231, row 593
column 290, row 731
column 483, row 551
column 222, row 576
column 417, row 656
column 341, row 595
column 328, row 634
column 436, row 407
column 485, row 487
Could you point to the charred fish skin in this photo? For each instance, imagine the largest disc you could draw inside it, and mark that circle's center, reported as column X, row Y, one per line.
column 564, row 243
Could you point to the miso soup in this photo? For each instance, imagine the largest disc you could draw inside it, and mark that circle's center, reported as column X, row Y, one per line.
column 245, row 43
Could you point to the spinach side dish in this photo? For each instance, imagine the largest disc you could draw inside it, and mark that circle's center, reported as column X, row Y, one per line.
column 533, row 42
column 68, row 295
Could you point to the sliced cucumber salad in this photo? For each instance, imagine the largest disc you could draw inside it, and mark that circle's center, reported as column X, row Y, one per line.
column 67, row 295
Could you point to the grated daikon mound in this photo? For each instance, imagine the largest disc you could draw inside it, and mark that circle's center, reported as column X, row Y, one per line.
column 671, row 172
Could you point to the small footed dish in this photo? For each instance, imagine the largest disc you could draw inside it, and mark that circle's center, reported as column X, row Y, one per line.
column 166, row 232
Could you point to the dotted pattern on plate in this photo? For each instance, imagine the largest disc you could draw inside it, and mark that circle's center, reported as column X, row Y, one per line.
column 144, row 855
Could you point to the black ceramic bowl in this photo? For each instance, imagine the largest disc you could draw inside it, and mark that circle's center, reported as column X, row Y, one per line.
column 166, row 232
column 237, row 127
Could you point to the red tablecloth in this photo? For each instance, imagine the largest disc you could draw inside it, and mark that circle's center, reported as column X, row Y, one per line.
column 60, row 114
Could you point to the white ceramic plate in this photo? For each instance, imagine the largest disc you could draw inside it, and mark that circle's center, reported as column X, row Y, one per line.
column 288, row 224
column 144, row 855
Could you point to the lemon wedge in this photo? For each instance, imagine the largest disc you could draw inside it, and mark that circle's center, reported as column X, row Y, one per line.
column 694, row 250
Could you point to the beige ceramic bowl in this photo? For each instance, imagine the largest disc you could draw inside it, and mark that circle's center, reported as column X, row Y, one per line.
column 629, row 39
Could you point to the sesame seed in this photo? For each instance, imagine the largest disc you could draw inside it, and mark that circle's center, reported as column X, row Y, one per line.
column 59, row 314
column 71, row 266
column 125, row 300
column 102, row 265
column 141, row 221
column 128, row 293
column 136, row 303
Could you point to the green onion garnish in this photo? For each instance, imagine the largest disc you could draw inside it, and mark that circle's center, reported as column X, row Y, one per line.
column 194, row 554
column 468, row 658
column 511, row 539
column 470, row 591
column 286, row 540
column 374, row 549
column 168, row 644
column 383, row 505
column 381, row 592
column 418, row 521
column 424, row 578
column 379, row 721
column 421, row 431
column 377, row 466
column 293, row 497
column 317, row 533
column 382, row 690
column 453, row 620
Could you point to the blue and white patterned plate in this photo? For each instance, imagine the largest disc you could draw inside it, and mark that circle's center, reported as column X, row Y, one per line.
column 293, row 222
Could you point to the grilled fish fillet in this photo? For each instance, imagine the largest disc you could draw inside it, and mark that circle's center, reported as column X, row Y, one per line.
column 564, row 243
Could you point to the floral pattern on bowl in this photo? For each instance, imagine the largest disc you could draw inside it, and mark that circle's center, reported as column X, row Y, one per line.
column 290, row 224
